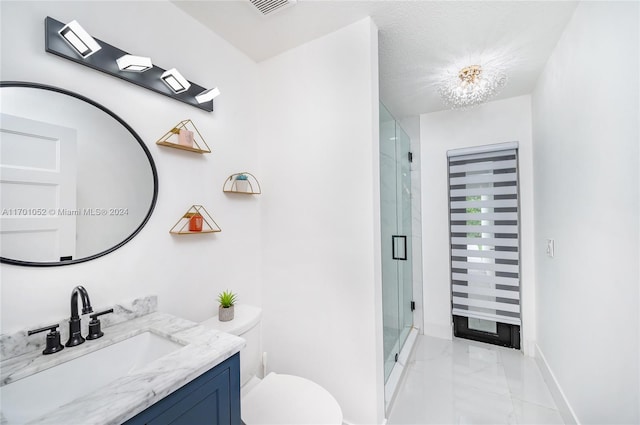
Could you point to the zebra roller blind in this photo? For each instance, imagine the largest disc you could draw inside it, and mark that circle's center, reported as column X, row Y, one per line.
column 485, row 236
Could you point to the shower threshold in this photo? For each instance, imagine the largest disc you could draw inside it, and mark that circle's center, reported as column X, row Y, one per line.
column 392, row 384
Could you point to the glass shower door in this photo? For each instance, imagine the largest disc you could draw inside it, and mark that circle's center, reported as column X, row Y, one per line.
column 389, row 220
column 405, row 267
column 395, row 205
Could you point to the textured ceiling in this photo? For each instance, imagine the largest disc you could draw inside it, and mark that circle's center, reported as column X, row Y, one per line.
column 418, row 40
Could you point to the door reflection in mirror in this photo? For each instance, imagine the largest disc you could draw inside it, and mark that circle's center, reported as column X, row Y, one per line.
column 75, row 180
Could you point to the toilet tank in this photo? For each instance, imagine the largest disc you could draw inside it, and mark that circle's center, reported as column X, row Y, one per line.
column 247, row 325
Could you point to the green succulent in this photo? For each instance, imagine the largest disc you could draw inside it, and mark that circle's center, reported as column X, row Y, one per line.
column 227, row 299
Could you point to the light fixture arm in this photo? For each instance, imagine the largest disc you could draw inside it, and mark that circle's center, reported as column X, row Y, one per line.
column 105, row 59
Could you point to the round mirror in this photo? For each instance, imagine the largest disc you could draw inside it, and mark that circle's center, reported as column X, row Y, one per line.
column 76, row 182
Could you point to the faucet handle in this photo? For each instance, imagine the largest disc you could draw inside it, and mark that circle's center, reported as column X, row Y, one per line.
column 94, row 324
column 53, row 338
column 94, row 316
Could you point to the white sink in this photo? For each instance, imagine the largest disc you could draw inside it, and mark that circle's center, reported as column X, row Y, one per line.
column 34, row 396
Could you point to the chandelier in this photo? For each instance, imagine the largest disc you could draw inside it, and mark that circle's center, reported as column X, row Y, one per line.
column 471, row 86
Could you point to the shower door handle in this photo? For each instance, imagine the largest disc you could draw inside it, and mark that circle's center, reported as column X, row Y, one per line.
column 399, row 247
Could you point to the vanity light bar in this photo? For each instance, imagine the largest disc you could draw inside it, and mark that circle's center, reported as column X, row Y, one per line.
column 175, row 81
column 72, row 42
column 133, row 63
column 208, row 95
column 79, row 39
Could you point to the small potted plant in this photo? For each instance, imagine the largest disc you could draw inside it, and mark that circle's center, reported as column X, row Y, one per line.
column 242, row 183
column 226, row 299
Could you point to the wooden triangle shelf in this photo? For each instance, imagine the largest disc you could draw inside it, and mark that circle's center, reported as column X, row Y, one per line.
column 194, row 215
column 185, row 136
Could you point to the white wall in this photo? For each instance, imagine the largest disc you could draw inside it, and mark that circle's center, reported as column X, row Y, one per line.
column 305, row 123
column 586, row 143
column 494, row 122
column 185, row 272
column 320, row 223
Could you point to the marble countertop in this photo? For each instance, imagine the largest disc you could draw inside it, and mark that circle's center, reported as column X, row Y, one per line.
column 129, row 395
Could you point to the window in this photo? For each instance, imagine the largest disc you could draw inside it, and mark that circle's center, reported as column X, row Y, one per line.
column 485, row 239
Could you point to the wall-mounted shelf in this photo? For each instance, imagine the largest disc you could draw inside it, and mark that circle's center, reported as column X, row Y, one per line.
column 245, row 183
column 185, row 226
column 185, row 136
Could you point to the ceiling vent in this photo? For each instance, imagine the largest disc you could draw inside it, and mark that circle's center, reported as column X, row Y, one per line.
column 267, row 7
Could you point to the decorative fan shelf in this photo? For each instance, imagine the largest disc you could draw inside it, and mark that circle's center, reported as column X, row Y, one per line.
column 208, row 223
column 185, row 136
column 233, row 184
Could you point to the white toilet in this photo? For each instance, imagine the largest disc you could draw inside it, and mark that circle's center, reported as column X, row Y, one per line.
column 276, row 399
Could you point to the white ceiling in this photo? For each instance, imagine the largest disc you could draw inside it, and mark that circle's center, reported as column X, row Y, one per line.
column 418, row 39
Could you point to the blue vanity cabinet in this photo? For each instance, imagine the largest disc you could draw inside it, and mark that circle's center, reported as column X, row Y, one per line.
column 213, row 398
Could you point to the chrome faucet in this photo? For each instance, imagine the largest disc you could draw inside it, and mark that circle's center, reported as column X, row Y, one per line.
column 75, row 337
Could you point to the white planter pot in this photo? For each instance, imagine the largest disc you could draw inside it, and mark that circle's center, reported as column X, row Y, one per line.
column 242, row 185
column 225, row 314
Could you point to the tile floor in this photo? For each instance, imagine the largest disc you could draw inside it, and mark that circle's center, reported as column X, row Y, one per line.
column 467, row 382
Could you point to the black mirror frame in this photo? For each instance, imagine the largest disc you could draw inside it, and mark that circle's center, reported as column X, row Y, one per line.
column 144, row 149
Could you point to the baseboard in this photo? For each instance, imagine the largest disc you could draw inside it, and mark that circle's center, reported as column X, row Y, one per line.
column 528, row 347
column 568, row 415
column 438, row 331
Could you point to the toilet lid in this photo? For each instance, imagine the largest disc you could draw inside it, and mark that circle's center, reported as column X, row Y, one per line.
column 287, row 399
